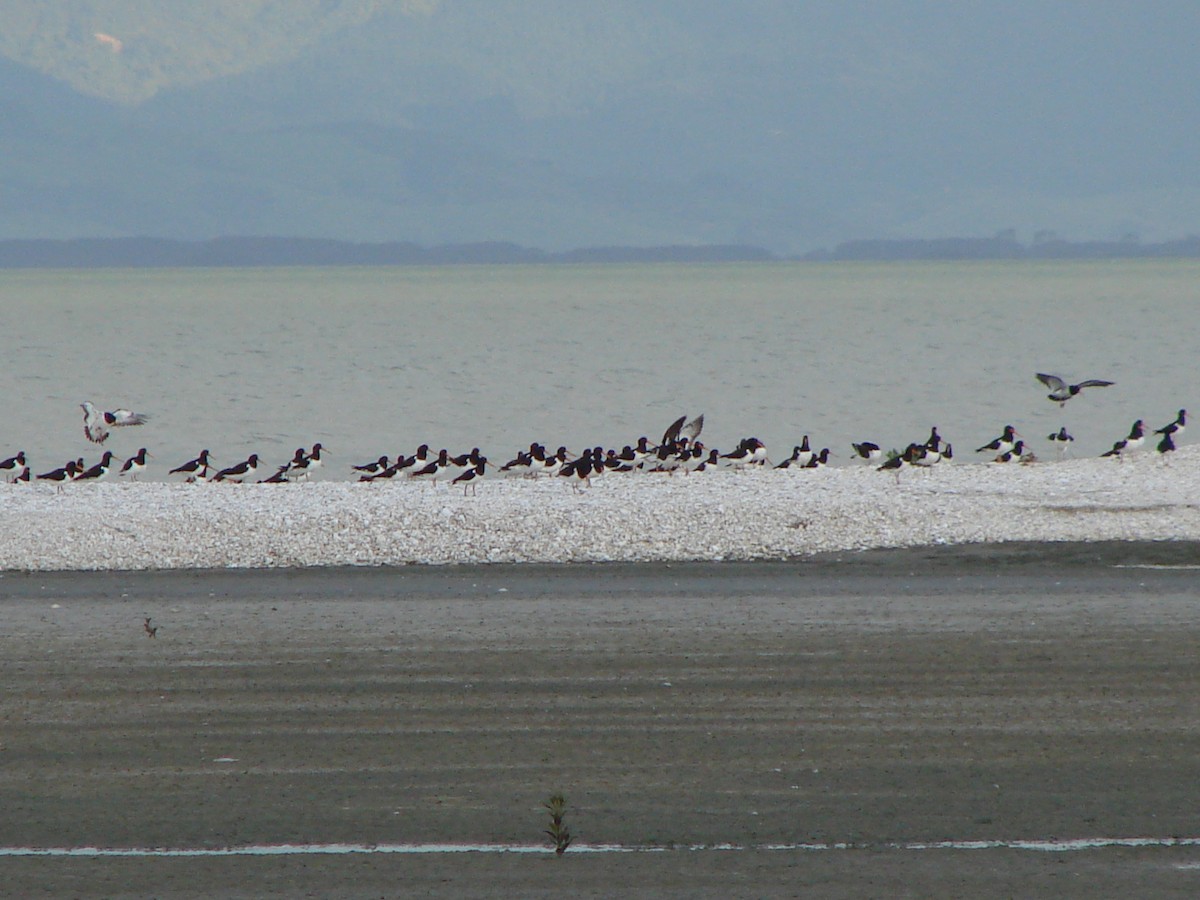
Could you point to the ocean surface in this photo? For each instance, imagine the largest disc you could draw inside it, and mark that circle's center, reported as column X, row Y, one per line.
column 373, row 361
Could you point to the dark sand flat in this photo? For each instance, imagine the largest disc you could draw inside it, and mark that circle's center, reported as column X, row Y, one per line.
column 1014, row 692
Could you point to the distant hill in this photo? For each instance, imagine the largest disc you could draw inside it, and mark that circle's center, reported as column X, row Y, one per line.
column 128, row 50
column 254, row 251
column 1006, row 246
column 280, row 251
column 677, row 123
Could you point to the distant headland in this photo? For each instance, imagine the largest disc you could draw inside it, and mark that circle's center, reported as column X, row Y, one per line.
column 145, row 252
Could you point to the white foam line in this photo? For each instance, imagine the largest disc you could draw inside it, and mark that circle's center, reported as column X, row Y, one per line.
column 1052, row 846
column 1154, row 566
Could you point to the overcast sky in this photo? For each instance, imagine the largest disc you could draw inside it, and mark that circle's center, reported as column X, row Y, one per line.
column 791, row 125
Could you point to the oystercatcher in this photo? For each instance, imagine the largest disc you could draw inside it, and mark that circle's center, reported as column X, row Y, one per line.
column 240, row 473
column 582, row 468
column 12, row 466
column 1132, row 442
column 909, row 457
column 194, row 469
column 1172, row 429
column 96, row 423
column 801, row 456
column 373, row 468
column 304, row 464
column 819, row 460
column 1015, row 454
column 468, row 478
column 434, row 469
column 1061, row 392
column 682, row 429
column 1002, row 444
column 135, row 465
column 98, row 471
column 867, row 451
column 61, row 476
column 1061, row 439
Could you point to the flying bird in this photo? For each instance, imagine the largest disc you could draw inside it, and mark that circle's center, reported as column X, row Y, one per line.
column 1061, row 392
column 681, row 428
column 96, row 423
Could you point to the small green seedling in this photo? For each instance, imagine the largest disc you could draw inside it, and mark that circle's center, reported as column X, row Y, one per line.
column 558, row 831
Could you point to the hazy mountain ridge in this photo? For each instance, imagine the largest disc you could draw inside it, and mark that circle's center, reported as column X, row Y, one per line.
column 281, row 251
column 620, row 124
column 128, row 50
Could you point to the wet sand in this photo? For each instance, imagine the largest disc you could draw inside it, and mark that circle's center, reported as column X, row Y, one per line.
column 1001, row 692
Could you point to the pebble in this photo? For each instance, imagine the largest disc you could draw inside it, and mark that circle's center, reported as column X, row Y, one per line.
column 706, row 516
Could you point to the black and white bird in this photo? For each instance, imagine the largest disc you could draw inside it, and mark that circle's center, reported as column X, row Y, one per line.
column 819, row 460
column 406, row 465
column 433, row 470
column 909, row 457
column 134, row 466
column 97, row 472
column 473, row 474
column 386, row 473
column 710, row 463
column 1016, row 453
column 1172, row 429
column 11, row 467
column 241, row 473
column 868, row 451
column 1002, row 444
column 1132, row 442
column 694, row 458
column 304, row 464
column 372, row 468
column 1061, row 439
column 1167, row 444
column 457, row 465
column 930, row 456
column 684, row 430
column 1061, row 392
column 96, row 424
column 801, row 456
column 550, row 466
column 194, row 469
column 62, row 475
column 587, row 464
column 750, row 451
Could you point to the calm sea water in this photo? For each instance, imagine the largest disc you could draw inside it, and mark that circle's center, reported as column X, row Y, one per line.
column 377, row 360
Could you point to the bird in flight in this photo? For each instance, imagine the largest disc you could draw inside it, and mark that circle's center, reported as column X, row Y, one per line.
column 681, row 428
column 96, row 423
column 1061, row 392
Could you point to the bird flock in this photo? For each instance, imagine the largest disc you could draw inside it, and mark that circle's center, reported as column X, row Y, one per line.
column 679, row 451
